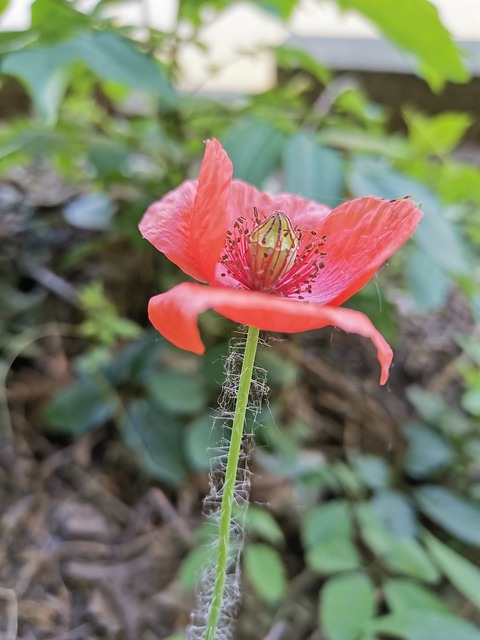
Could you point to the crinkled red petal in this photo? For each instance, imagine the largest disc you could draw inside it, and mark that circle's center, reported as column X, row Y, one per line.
column 189, row 223
column 174, row 314
column 361, row 235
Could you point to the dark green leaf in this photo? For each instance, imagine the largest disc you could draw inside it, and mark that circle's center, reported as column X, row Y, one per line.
column 57, row 20
column 280, row 370
column 427, row 452
column 347, row 604
column 415, row 26
column 82, row 407
column 157, row 440
column 264, row 568
column 254, row 146
column 462, row 574
column 177, row 393
column 312, row 171
column 452, row 512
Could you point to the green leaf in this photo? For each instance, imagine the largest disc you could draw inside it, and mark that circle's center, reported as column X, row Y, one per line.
column 313, row 171
column 427, row 453
column 280, row 8
column 427, row 281
column 203, row 437
column 192, row 565
column 177, row 393
column 3, row 5
column 264, row 568
column 395, row 513
column 347, row 604
column 374, row 471
column 455, row 514
column 294, row 59
column 57, row 20
column 406, row 595
column 438, row 134
column 415, row 26
column 157, row 439
column 471, row 402
column 45, row 70
column 408, row 557
column 462, row 574
column 82, row 407
column 333, row 554
column 330, row 520
column 425, row 625
column 254, row 147
column 263, row 525
column 280, row 370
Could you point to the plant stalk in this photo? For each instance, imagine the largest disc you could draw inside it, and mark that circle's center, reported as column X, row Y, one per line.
column 230, row 482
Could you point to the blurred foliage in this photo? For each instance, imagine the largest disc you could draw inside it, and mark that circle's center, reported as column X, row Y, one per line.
column 388, row 538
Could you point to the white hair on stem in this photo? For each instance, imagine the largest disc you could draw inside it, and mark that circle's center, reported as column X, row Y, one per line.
column 212, row 502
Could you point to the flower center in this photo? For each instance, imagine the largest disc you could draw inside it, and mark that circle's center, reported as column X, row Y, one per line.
column 272, row 256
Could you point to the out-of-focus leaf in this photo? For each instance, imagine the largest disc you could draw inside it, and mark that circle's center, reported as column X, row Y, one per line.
column 402, row 595
column 434, row 410
column 157, row 439
column 471, row 401
column 415, row 26
column 202, row 439
column 254, row 147
column 191, row 567
column 395, row 513
column 347, row 604
column 461, row 573
column 426, row 281
column 373, row 470
column 452, row 512
column 427, row 452
column 80, row 408
column 333, row 554
column 56, row 20
column 331, row 520
column 438, row 134
column 280, row 370
column 408, row 557
column 425, row 625
column 294, row 59
column 262, row 524
column 93, row 211
column 312, row 171
column 280, row 8
column 177, row 393
column 45, row 69
column 264, row 568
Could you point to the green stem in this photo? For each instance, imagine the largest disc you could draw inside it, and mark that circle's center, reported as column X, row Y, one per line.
column 230, row 481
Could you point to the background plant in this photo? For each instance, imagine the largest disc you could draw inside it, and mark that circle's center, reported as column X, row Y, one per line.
column 106, row 133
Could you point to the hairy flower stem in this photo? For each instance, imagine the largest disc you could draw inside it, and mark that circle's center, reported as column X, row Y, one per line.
column 230, row 481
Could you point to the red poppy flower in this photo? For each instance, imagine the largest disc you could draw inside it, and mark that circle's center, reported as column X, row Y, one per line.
column 279, row 263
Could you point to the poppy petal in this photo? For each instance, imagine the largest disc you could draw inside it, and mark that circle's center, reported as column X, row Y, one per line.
column 174, row 314
column 301, row 212
column 361, row 235
column 189, row 223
